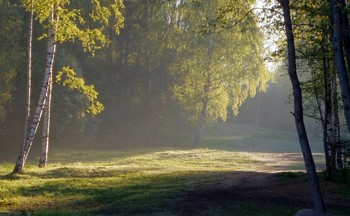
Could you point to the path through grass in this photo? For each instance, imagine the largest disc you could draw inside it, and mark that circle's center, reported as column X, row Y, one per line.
column 166, row 182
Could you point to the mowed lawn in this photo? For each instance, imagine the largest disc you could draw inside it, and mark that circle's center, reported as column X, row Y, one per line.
column 204, row 181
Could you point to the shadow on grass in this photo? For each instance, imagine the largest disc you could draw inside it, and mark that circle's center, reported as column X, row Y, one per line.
column 176, row 193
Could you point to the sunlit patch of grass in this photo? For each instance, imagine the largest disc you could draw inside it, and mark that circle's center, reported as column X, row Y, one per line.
column 251, row 138
column 119, row 179
column 128, row 183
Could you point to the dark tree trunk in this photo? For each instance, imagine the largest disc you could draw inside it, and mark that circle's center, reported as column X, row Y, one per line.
column 204, row 112
column 345, row 32
column 339, row 58
column 336, row 126
column 327, row 124
column 200, row 124
column 298, row 112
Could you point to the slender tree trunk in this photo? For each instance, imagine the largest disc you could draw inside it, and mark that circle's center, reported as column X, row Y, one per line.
column 327, row 128
column 345, row 32
column 204, row 112
column 46, row 127
column 336, row 126
column 258, row 110
column 339, row 59
column 200, row 124
column 298, row 112
column 51, row 50
column 47, row 119
column 29, row 71
column 150, row 87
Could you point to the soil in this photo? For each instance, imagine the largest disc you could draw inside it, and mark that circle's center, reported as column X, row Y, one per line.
column 270, row 188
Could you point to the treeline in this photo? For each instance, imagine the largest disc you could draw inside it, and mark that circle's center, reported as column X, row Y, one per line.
column 175, row 67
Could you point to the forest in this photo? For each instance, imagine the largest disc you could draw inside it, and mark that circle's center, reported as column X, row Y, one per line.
column 174, row 107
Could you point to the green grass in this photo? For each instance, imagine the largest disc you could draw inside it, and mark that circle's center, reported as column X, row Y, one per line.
column 156, row 181
column 169, row 182
column 113, row 179
column 246, row 137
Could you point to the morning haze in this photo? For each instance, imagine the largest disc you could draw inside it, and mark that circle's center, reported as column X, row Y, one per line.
column 175, row 107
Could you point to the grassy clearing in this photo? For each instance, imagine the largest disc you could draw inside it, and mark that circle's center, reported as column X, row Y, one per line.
column 208, row 181
column 113, row 179
column 170, row 182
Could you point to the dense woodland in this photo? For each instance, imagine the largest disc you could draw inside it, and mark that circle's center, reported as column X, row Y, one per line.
column 154, row 73
column 150, row 77
column 158, row 72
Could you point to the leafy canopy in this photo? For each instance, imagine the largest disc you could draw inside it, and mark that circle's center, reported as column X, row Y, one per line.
column 85, row 21
column 67, row 77
column 217, row 65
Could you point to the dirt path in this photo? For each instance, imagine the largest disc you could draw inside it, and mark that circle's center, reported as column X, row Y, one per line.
column 279, row 180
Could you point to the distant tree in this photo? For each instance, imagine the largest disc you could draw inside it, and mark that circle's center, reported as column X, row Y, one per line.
column 11, row 54
column 224, row 64
column 339, row 57
column 298, row 111
column 66, row 24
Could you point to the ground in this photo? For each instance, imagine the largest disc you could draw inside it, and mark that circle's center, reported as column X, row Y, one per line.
column 213, row 180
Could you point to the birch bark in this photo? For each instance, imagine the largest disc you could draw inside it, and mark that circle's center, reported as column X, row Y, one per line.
column 51, row 50
column 46, row 127
column 29, row 72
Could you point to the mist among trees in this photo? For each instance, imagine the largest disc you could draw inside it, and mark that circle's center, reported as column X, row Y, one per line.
column 100, row 74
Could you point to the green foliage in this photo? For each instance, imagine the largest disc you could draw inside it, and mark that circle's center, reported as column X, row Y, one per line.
column 67, row 77
column 11, row 53
column 223, row 68
column 87, row 26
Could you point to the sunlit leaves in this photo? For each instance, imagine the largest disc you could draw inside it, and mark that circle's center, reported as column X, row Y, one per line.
column 87, row 24
column 67, row 77
column 222, row 68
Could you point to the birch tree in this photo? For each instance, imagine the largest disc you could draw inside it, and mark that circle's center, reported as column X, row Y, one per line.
column 29, row 68
column 46, row 126
column 64, row 23
column 223, row 66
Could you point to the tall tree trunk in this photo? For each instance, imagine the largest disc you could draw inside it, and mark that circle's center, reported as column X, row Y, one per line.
column 46, row 127
column 339, row 59
column 345, row 32
column 204, row 112
column 327, row 128
column 150, row 77
column 298, row 112
column 336, row 126
column 29, row 71
column 200, row 124
column 51, row 50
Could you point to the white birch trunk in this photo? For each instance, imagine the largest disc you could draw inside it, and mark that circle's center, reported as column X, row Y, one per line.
column 46, row 127
column 29, row 72
column 51, row 49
